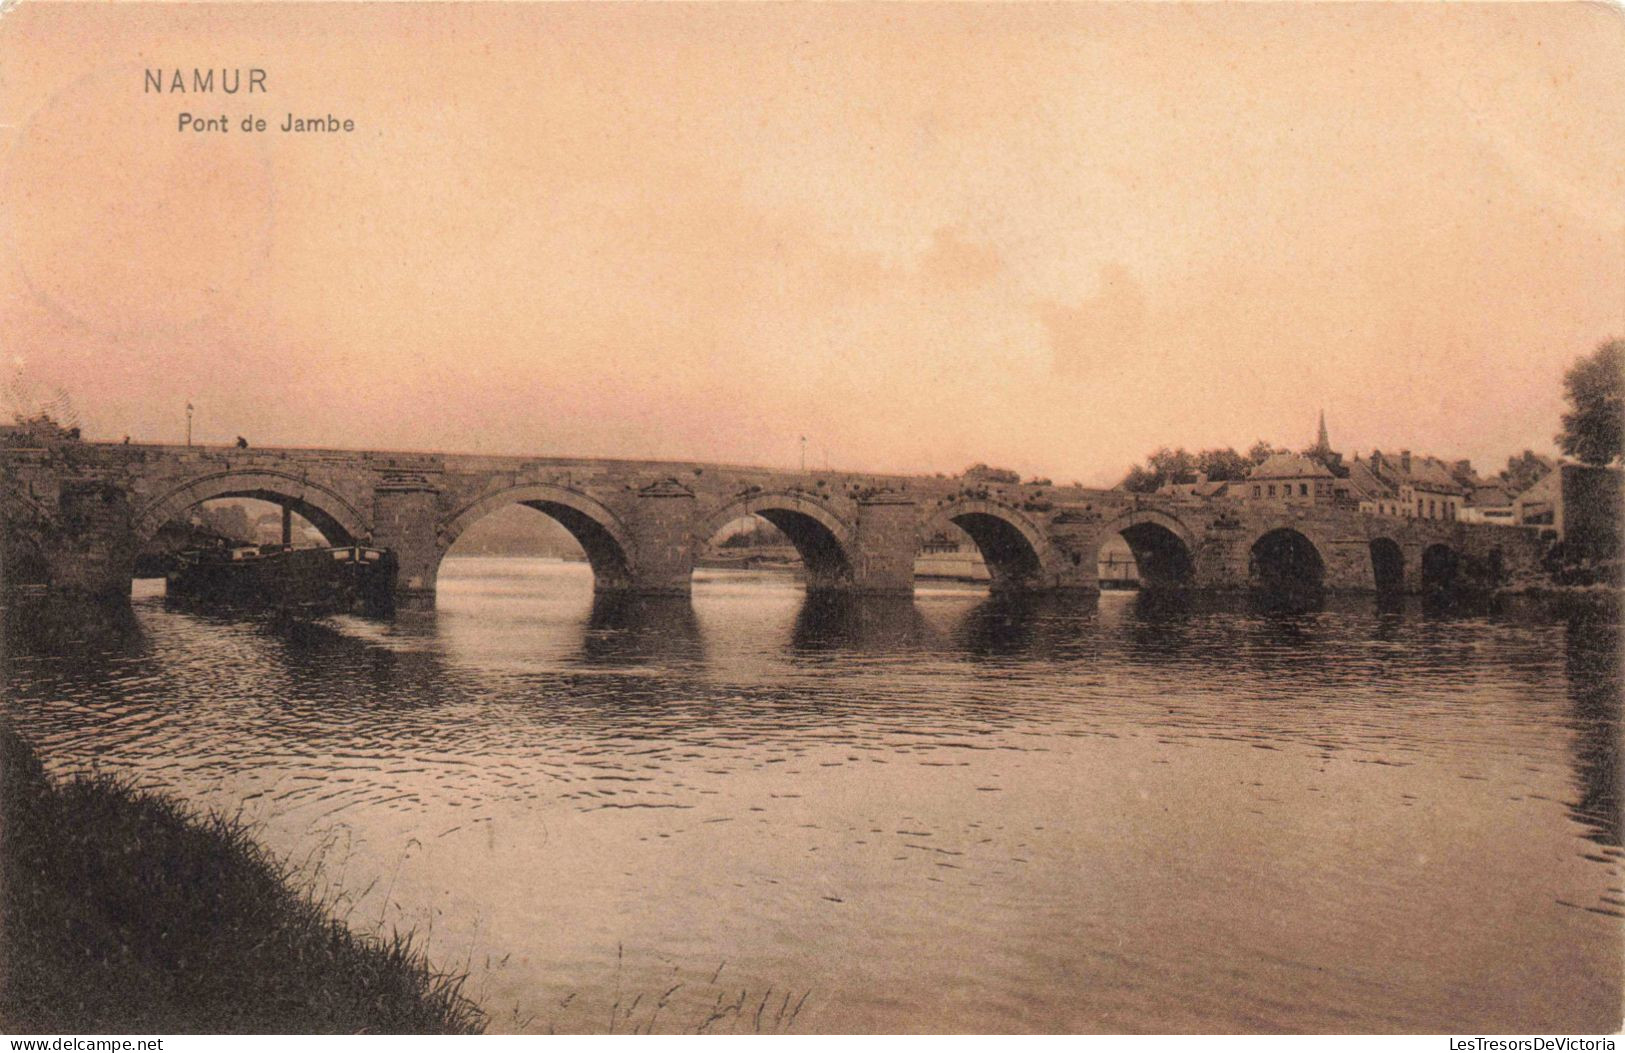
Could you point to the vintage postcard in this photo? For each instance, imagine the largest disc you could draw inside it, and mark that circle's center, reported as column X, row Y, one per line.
column 610, row 518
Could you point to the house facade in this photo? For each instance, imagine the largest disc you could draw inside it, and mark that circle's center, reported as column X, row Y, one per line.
column 1489, row 503
column 1289, row 479
column 1578, row 504
column 1423, row 487
column 1371, row 494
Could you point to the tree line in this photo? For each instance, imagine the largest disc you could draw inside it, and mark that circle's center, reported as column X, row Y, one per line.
column 1592, row 433
column 1181, row 466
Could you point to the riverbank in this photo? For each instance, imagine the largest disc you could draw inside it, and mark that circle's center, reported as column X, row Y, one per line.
column 124, row 912
column 1569, row 601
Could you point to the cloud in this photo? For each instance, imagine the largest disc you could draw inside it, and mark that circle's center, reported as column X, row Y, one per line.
column 1104, row 334
column 952, row 262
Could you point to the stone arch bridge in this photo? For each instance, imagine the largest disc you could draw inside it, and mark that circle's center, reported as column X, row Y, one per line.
column 75, row 515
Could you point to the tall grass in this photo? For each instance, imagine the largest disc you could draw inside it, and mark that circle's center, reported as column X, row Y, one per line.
column 123, row 911
column 686, row 1006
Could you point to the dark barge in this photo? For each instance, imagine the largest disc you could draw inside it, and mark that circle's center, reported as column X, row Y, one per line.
column 291, row 580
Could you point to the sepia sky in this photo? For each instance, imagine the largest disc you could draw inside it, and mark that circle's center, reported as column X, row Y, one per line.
column 1050, row 238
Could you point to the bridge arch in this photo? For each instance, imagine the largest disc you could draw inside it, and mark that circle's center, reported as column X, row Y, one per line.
column 1016, row 552
column 1164, row 547
column 822, row 538
column 600, row 533
column 329, row 512
column 1387, row 565
column 1285, row 558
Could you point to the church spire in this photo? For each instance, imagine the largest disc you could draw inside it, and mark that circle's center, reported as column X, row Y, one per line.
column 1322, row 451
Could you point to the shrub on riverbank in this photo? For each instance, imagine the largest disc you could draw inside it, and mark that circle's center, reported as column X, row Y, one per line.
column 123, row 912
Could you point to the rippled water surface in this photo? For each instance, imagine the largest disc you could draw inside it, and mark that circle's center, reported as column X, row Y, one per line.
column 757, row 812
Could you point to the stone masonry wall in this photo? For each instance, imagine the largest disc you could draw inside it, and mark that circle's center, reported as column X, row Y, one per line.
column 85, row 506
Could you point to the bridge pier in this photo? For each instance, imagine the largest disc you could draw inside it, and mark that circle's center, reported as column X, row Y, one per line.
column 1348, row 565
column 662, row 560
column 405, row 521
column 89, row 552
column 886, row 538
column 1220, row 564
column 1412, row 580
column 1073, row 566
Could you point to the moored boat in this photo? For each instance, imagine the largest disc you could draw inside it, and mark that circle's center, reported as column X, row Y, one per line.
column 301, row 580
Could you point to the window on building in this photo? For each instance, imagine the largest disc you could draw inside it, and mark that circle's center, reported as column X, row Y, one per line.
column 1272, row 489
column 1303, row 489
column 1258, row 491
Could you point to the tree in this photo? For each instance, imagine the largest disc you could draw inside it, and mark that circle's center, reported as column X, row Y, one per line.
column 1163, row 466
column 1140, row 481
column 1261, row 451
column 1172, row 466
column 982, row 473
column 227, row 520
column 1223, row 465
column 1595, row 386
column 1181, row 466
column 1523, row 471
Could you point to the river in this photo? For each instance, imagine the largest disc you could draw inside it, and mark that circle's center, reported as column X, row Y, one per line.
column 757, row 812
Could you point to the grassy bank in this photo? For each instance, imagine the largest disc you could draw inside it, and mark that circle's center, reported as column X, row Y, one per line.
column 124, row 912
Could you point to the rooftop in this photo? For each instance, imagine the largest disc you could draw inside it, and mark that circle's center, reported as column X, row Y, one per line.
column 1426, row 473
column 1366, row 484
column 1290, row 466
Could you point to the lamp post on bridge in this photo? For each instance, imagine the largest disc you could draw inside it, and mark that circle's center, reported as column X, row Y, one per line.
column 188, row 424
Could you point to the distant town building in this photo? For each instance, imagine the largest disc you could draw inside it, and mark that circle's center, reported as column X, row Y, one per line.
column 1290, row 479
column 1541, row 504
column 1489, row 502
column 1369, row 493
column 1313, row 477
column 1579, row 504
column 1117, row 566
column 952, row 557
column 1322, row 451
column 1425, row 487
column 1403, row 486
column 1201, row 486
column 268, row 531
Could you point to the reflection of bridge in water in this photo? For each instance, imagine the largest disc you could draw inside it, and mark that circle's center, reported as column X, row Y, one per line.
column 664, row 641
column 77, row 514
